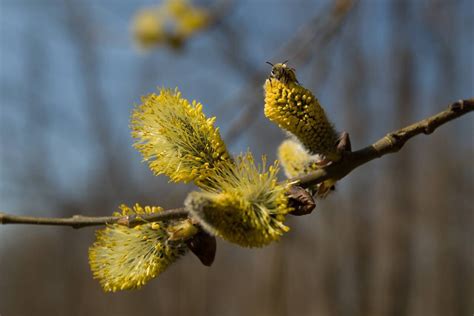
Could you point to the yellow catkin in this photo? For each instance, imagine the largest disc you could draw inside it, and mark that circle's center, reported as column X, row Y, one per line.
column 128, row 257
column 148, row 28
column 171, row 22
column 294, row 159
column 189, row 18
column 244, row 205
column 295, row 109
column 176, row 139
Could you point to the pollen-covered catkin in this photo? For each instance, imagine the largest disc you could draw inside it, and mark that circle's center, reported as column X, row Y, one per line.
column 296, row 110
column 125, row 257
column 176, row 139
column 246, row 205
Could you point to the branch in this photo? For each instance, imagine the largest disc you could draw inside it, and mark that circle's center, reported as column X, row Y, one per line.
column 391, row 143
column 79, row 221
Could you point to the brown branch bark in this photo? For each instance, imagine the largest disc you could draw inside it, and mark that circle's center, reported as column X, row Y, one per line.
column 79, row 221
column 391, row 143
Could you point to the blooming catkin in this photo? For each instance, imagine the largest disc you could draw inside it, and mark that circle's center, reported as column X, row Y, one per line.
column 171, row 22
column 148, row 28
column 295, row 109
column 294, row 159
column 245, row 204
column 125, row 257
column 188, row 18
column 177, row 139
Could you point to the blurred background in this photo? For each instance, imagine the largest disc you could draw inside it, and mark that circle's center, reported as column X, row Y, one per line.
column 396, row 238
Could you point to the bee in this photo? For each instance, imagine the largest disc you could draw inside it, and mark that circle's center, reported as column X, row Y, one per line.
column 282, row 72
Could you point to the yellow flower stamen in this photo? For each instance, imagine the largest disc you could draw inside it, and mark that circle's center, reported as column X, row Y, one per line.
column 244, row 204
column 177, row 139
column 296, row 110
column 128, row 257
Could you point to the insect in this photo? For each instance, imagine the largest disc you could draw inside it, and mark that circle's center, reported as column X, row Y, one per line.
column 282, row 72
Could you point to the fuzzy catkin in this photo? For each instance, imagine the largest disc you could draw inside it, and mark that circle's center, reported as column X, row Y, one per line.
column 177, row 139
column 245, row 205
column 125, row 257
column 295, row 109
column 294, row 159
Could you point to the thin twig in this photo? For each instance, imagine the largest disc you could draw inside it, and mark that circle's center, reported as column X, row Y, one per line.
column 391, row 143
column 79, row 221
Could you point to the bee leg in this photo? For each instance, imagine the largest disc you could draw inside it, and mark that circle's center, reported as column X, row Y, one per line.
column 271, row 81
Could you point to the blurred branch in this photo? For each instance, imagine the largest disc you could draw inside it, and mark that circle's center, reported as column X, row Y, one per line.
column 391, row 143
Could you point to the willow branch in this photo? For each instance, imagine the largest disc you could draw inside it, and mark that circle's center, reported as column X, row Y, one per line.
column 391, row 143
column 79, row 221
